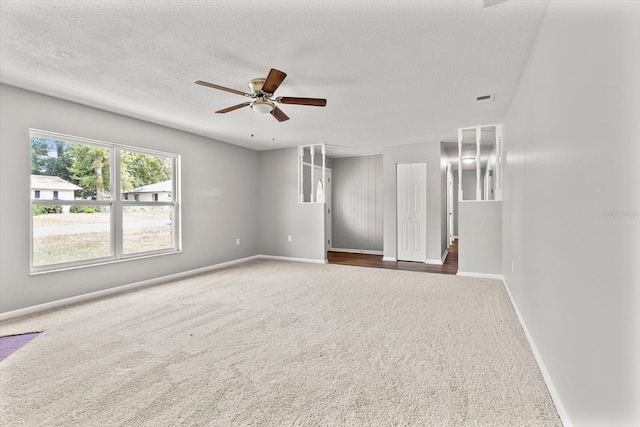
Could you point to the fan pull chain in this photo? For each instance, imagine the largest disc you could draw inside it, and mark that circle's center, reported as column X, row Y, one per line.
column 273, row 128
column 252, row 123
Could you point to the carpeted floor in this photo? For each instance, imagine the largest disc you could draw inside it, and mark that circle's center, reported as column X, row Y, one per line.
column 273, row 343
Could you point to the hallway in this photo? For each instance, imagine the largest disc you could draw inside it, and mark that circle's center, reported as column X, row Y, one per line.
column 450, row 265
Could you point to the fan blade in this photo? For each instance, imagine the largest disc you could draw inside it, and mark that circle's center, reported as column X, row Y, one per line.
column 226, row 89
column 235, row 107
column 279, row 115
column 316, row 102
column 274, row 79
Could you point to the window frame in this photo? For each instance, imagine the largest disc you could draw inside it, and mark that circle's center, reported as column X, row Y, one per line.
column 115, row 203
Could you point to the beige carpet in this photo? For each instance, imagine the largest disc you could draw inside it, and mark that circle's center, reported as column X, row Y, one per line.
column 272, row 343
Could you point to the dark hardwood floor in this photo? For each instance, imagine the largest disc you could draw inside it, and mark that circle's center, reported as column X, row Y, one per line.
column 364, row 260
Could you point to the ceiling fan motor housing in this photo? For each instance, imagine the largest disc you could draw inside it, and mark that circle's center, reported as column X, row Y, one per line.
column 255, row 85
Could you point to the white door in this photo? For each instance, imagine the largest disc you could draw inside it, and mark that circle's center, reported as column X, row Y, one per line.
column 411, row 181
column 449, row 204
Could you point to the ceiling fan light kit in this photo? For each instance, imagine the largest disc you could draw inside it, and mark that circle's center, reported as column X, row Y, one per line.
column 262, row 107
column 262, row 92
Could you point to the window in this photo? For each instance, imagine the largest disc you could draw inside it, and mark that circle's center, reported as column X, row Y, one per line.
column 89, row 218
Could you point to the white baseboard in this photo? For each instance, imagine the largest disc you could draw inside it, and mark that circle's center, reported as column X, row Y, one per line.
column 434, row 261
column 445, row 255
column 357, row 251
column 286, row 258
column 562, row 412
column 105, row 292
column 389, row 258
column 480, row 275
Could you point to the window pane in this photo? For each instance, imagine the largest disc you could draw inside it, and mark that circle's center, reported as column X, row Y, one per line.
column 146, row 228
column 72, row 170
column 146, row 177
column 70, row 233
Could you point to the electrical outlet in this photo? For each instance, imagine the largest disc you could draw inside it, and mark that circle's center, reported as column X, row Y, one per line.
column 237, row 242
column 289, row 237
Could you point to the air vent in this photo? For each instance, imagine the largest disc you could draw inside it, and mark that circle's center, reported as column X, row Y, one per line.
column 485, row 98
column 492, row 3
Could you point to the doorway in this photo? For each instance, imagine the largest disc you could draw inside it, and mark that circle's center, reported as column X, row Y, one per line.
column 450, row 195
column 411, row 179
column 327, row 207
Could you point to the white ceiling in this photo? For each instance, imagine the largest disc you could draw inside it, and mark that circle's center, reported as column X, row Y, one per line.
column 393, row 72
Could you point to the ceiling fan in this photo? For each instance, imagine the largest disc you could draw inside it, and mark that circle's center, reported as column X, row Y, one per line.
column 262, row 96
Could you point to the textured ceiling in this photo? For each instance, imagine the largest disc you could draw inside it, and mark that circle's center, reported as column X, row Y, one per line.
column 393, row 72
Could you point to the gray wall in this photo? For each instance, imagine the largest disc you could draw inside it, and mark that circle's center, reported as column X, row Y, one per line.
column 469, row 179
column 469, row 184
column 421, row 152
column 281, row 215
column 480, row 245
column 219, row 198
column 572, row 141
column 357, row 203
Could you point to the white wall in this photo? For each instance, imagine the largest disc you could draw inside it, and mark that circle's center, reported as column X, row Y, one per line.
column 572, row 140
column 421, row 152
column 48, row 194
column 219, row 198
column 281, row 215
column 163, row 196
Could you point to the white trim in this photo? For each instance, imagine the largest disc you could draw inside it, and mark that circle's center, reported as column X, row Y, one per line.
column 555, row 396
column 105, row 292
column 480, row 275
column 445, row 255
column 389, row 258
column 433, row 261
column 358, row 251
column 286, row 258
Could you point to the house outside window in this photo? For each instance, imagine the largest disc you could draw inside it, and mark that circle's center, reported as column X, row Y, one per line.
column 81, row 185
